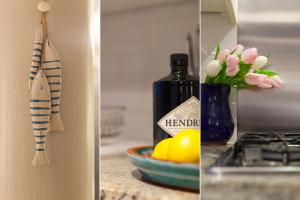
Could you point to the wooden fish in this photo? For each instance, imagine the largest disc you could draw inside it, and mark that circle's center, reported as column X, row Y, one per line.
column 40, row 109
column 37, row 54
column 52, row 68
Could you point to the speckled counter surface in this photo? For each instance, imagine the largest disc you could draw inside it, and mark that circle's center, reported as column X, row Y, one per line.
column 245, row 187
column 121, row 180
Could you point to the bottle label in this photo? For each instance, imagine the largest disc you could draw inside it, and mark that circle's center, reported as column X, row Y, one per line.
column 185, row 116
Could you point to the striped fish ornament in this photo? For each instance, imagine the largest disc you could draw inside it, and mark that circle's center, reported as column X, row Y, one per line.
column 52, row 68
column 37, row 54
column 40, row 109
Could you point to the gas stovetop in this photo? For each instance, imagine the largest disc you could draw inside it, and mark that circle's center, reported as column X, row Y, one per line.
column 266, row 152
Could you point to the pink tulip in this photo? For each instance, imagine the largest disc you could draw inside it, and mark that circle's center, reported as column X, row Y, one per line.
column 259, row 80
column 249, row 55
column 276, row 81
column 238, row 49
column 252, row 78
column 222, row 55
column 232, row 65
column 266, row 83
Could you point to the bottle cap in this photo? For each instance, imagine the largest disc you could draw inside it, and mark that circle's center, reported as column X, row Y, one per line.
column 179, row 60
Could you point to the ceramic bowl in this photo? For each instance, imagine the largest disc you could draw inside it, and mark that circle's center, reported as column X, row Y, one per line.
column 180, row 175
column 112, row 123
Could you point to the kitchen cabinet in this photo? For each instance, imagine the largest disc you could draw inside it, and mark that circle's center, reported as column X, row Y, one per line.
column 225, row 6
column 111, row 6
column 218, row 25
column 222, row 6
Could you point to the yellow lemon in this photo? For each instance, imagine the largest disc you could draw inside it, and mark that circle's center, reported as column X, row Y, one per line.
column 185, row 146
column 161, row 149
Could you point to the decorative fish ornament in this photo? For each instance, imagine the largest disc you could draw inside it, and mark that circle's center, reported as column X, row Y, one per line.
column 45, row 88
column 40, row 109
column 37, row 54
column 52, row 68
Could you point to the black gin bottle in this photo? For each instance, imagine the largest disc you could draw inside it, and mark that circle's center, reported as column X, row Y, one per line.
column 175, row 100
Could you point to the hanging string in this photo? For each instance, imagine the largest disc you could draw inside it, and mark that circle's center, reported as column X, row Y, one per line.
column 45, row 26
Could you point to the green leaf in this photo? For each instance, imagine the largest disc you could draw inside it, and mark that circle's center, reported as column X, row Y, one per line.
column 236, row 81
column 218, row 49
column 265, row 72
column 208, row 79
column 244, row 69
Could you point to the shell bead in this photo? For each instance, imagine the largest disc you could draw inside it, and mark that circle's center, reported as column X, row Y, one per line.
column 43, row 6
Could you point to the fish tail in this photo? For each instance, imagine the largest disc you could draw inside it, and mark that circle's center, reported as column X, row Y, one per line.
column 56, row 123
column 40, row 157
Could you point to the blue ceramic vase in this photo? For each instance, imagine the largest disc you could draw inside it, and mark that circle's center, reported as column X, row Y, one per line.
column 216, row 119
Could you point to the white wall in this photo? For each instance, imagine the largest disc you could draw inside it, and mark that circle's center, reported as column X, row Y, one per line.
column 70, row 152
column 136, row 45
column 215, row 28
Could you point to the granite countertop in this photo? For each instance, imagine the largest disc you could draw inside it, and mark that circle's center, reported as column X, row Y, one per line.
column 245, row 187
column 121, row 180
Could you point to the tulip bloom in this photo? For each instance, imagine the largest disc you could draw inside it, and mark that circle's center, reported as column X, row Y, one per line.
column 260, row 80
column 259, row 62
column 276, row 81
column 213, row 68
column 232, row 62
column 222, row 55
column 238, row 49
column 241, row 67
column 266, row 83
column 249, row 55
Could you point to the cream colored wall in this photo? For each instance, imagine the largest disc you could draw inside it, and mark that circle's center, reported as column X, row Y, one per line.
column 71, row 174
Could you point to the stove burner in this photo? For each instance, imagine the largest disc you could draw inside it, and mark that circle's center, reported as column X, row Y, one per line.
column 280, row 152
column 276, row 152
column 262, row 151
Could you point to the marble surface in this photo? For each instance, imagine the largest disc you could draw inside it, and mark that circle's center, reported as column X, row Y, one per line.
column 121, row 180
column 245, row 187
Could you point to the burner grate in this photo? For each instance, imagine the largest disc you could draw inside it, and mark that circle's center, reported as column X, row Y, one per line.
column 261, row 152
column 273, row 146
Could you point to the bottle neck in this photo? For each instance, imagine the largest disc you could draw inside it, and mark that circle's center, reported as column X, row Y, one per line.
column 179, row 72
